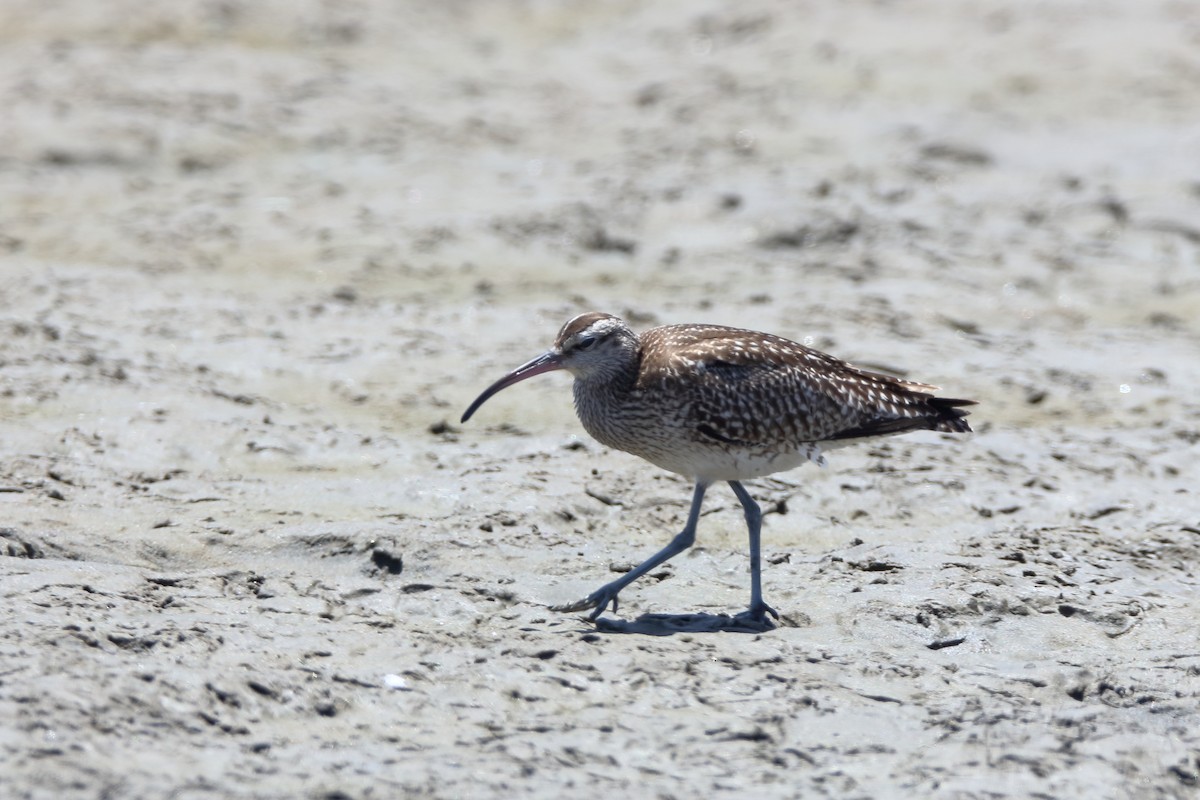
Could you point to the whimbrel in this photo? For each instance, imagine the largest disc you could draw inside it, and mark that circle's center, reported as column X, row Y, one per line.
column 723, row 404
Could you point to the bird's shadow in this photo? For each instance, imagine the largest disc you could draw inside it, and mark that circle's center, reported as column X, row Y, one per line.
column 670, row 624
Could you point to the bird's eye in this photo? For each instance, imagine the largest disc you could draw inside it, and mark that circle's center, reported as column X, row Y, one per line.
column 585, row 343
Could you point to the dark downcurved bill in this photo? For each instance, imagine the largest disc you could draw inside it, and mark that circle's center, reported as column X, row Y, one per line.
column 546, row 362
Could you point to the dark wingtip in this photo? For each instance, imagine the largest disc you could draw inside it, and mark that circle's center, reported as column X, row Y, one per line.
column 951, row 417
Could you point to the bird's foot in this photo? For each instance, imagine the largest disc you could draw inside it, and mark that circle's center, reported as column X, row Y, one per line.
column 597, row 601
column 757, row 617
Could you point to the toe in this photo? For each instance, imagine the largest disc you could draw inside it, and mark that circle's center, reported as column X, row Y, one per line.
column 578, row 605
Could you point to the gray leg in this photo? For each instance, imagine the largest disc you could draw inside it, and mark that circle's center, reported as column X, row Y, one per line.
column 599, row 599
column 758, row 610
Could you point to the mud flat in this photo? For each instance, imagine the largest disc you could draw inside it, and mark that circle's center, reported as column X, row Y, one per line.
column 255, row 259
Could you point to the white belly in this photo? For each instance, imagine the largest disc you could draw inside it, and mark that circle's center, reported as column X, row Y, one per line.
column 708, row 463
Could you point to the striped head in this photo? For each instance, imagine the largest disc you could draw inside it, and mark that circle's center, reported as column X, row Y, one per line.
column 591, row 346
column 596, row 345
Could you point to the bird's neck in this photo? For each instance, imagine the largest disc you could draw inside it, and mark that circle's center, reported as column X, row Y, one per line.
column 601, row 396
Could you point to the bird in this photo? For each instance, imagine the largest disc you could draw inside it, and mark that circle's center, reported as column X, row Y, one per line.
column 714, row 403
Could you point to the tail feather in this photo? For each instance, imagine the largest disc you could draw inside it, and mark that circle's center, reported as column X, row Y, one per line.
column 950, row 416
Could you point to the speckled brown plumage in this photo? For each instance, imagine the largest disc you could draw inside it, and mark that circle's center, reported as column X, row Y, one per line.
column 723, row 404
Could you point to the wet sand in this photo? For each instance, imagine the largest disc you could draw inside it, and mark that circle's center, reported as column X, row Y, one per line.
column 256, row 258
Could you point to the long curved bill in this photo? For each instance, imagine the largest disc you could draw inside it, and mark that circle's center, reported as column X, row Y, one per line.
column 546, row 362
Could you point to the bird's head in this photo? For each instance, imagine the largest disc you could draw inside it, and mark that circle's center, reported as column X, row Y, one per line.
column 591, row 346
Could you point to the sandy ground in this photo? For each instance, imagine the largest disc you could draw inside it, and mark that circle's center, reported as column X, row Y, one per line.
column 256, row 257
